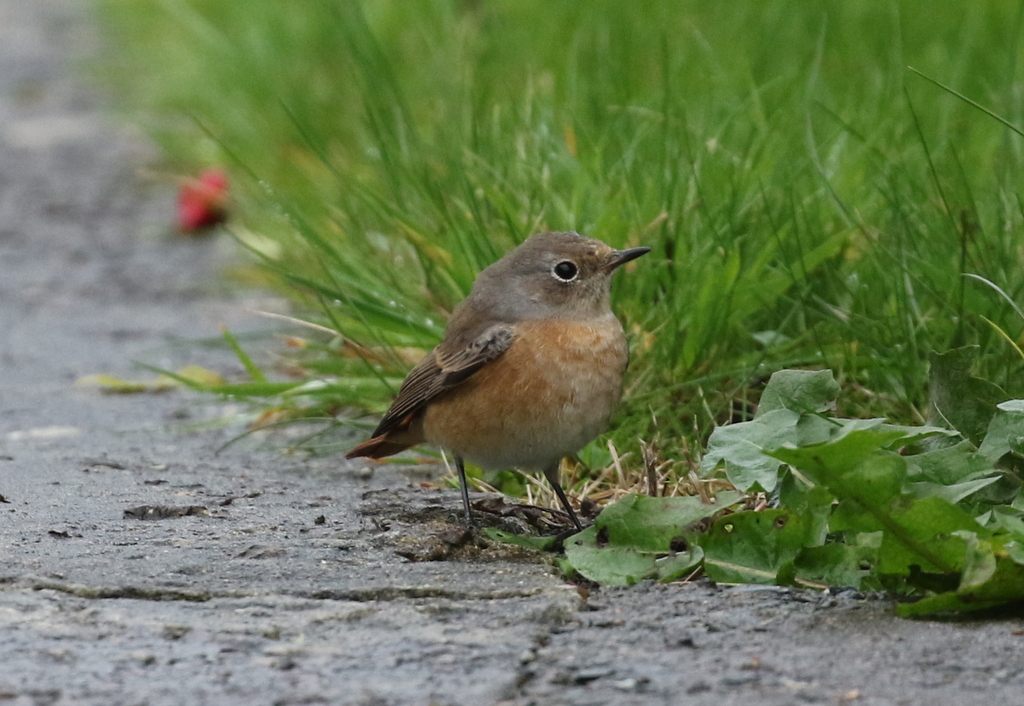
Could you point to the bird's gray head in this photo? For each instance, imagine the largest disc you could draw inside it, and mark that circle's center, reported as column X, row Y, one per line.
column 551, row 275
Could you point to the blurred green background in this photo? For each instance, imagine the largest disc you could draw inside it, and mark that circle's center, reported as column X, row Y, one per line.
column 811, row 201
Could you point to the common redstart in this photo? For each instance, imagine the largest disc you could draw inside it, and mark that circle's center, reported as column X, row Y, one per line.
column 530, row 367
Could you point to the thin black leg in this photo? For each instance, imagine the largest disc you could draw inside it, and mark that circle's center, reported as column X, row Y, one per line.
column 464, row 486
column 552, row 476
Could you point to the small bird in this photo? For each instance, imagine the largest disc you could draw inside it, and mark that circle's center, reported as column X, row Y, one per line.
column 530, row 367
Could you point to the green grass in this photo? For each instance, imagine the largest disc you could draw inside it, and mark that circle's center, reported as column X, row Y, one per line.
column 810, row 200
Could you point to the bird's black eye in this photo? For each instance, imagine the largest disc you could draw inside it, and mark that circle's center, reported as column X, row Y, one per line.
column 566, row 271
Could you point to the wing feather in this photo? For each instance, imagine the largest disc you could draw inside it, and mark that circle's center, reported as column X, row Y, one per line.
column 441, row 370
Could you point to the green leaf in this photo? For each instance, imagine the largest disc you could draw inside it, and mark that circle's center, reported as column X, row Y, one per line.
column 914, row 434
column 815, row 428
column 640, row 537
column 650, row 524
column 769, row 339
column 109, row 383
column 751, row 547
column 835, row 565
column 595, row 454
column 811, row 502
column 942, row 603
column 853, row 442
column 802, row 391
column 979, row 562
column 947, row 465
column 740, row 446
column 993, row 575
column 753, row 451
column 678, row 565
column 250, row 367
column 540, row 544
column 1005, row 431
column 610, row 565
column 248, row 389
column 925, row 533
column 869, row 485
column 952, row 493
column 958, row 399
column 1010, row 521
column 867, row 493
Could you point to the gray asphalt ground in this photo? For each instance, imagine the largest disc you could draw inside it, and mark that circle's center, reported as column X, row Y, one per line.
column 288, row 579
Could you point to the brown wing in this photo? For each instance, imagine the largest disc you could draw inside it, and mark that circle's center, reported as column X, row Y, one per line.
column 439, row 371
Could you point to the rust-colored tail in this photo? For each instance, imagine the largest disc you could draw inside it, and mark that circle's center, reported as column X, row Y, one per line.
column 390, row 437
column 379, row 447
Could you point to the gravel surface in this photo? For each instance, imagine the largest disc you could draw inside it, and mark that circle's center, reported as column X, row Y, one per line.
column 139, row 566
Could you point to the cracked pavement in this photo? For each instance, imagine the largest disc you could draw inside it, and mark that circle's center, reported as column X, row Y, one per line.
column 255, row 577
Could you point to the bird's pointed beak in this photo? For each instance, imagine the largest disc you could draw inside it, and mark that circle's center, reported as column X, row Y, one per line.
column 621, row 257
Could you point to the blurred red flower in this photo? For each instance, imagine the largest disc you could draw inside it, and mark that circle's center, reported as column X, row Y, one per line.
column 202, row 201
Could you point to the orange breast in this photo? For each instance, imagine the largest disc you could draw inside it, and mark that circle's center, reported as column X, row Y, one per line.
column 550, row 394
